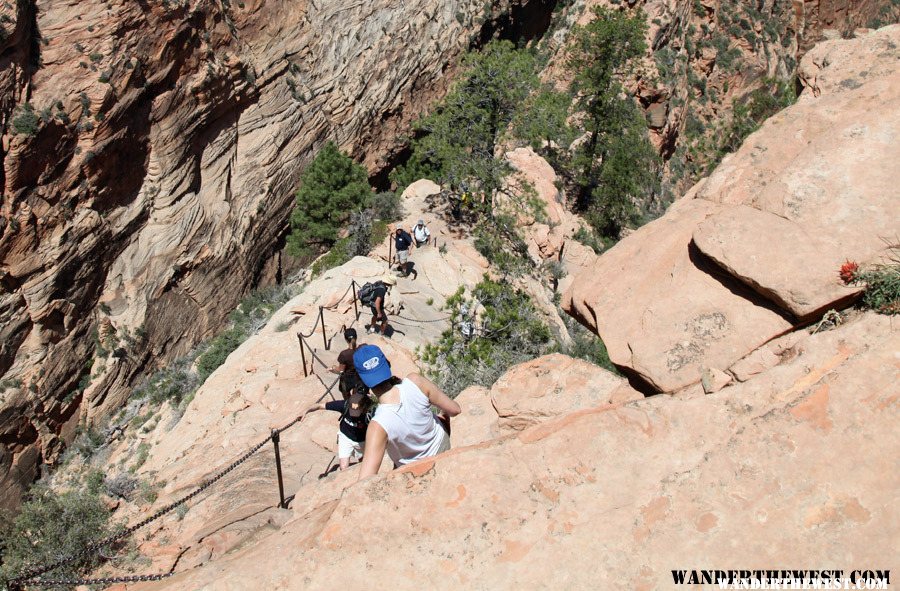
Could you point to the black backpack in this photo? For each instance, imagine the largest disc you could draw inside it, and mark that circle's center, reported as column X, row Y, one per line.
column 366, row 293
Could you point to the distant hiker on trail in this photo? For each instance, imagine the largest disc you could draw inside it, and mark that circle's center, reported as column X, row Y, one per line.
column 349, row 380
column 420, row 233
column 402, row 242
column 374, row 296
column 354, row 421
column 403, row 423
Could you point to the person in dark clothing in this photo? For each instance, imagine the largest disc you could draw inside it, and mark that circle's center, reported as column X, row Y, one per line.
column 354, row 422
column 349, row 380
column 379, row 316
column 402, row 243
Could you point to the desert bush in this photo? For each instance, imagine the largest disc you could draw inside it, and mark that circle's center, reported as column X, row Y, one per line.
column 52, row 525
column 26, row 121
column 122, row 486
column 881, row 281
column 385, row 206
column 507, row 331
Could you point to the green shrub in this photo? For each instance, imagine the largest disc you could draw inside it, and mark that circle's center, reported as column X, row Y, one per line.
column 385, row 206
column 26, row 121
column 52, row 525
column 337, row 256
column 87, row 441
column 586, row 345
column 587, row 237
column 882, row 283
column 508, row 331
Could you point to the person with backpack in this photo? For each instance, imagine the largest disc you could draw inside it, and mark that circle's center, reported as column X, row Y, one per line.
column 354, row 422
column 421, row 234
column 403, row 424
column 349, row 380
column 402, row 242
column 374, row 296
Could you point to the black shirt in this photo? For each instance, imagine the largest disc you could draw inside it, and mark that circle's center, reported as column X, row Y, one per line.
column 380, row 292
column 354, row 429
column 402, row 240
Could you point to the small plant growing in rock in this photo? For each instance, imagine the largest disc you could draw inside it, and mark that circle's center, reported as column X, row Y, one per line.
column 882, row 282
column 26, row 122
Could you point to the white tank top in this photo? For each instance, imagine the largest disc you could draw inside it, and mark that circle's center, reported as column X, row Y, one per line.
column 413, row 431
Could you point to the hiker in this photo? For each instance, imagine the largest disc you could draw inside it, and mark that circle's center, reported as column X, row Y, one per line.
column 349, row 380
column 375, row 299
column 420, row 233
column 402, row 242
column 403, row 423
column 354, row 421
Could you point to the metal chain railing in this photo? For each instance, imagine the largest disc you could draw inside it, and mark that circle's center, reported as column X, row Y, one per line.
column 28, row 577
column 422, row 321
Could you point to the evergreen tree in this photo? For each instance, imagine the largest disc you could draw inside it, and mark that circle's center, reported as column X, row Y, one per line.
column 615, row 165
column 542, row 122
column 331, row 187
column 460, row 138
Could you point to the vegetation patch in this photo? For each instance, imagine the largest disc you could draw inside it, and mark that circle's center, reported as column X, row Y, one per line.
column 507, row 331
column 51, row 525
column 881, row 281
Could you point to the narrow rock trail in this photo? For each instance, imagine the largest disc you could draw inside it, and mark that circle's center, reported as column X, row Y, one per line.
column 262, row 386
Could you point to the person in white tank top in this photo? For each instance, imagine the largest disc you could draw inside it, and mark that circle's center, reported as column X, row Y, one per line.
column 403, row 425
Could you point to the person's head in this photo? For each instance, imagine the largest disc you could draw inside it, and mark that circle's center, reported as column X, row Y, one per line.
column 420, row 223
column 372, row 366
column 398, row 230
column 359, row 404
column 389, row 280
column 350, row 336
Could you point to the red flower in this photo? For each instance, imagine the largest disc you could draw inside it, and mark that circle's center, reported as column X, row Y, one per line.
column 848, row 271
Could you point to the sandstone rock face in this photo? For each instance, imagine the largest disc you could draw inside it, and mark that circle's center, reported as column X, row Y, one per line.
column 149, row 155
column 756, row 248
column 632, row 486
column 550, row 386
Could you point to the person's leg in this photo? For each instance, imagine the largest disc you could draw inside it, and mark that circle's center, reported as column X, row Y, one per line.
column 345, row 450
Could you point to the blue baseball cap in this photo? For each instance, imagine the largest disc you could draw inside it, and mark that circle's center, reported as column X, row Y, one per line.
column 371, row 365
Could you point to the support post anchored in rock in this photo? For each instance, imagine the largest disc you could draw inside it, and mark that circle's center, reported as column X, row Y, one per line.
column 276, row 435
column 322, row 320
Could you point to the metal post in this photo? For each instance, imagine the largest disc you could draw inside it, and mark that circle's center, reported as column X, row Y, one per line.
column 355, row 308
column 302, row 354
column 275, row 437
column 322, row 319
column 390, row 246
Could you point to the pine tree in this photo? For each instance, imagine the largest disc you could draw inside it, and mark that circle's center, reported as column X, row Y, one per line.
column 615, row 165
column 331, row 187
column 461, row 136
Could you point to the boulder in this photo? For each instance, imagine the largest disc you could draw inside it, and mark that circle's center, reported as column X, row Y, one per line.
column 421, row 189
column 665, row 317
column 756, row 248
column 548, row 386
column 794, row 268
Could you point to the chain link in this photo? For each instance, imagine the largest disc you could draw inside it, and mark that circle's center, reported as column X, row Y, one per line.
column 25, row 577
column 421, row 321
column 96, row 581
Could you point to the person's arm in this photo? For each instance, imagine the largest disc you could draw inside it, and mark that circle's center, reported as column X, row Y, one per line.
column 376, row 444
column 312, row 408
column 435, row 395
column 379, row 307
column 338, row 368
